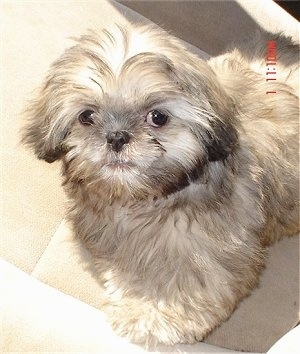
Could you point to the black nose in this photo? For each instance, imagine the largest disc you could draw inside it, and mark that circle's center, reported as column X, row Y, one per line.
column 118, row 139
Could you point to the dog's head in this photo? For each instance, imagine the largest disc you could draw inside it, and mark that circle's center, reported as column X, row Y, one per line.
column 132, row 110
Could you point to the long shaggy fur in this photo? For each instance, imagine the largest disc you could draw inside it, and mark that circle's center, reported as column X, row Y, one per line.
column 178, row 219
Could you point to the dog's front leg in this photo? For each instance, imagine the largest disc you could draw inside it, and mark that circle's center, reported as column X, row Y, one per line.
column 151, row 322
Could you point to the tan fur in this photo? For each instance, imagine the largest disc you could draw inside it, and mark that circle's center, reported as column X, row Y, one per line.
column 179, row 218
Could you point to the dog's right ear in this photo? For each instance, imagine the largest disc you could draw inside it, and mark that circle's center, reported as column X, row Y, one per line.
column 46, row 129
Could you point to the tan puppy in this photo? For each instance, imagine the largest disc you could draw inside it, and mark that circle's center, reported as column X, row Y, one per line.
column 179, row 171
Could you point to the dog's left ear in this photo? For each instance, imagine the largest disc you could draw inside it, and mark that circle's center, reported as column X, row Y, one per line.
column 46, row 129
column 222, row 137
column 221, row 141
column 212, row 106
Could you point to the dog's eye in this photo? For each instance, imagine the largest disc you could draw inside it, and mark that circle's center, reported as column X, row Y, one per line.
column 156, row 118
column 86, row 117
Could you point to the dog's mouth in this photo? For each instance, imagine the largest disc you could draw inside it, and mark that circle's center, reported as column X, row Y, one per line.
column 120, row 165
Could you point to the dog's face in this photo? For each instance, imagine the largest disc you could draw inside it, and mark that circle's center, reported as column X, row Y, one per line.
column 132, row 112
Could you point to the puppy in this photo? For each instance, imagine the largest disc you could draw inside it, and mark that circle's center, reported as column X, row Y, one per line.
column 179, row 172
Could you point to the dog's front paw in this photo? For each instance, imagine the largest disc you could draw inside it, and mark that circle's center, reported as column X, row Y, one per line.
column 143, row 323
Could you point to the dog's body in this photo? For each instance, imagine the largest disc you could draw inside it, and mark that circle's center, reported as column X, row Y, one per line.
column 179, row 172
